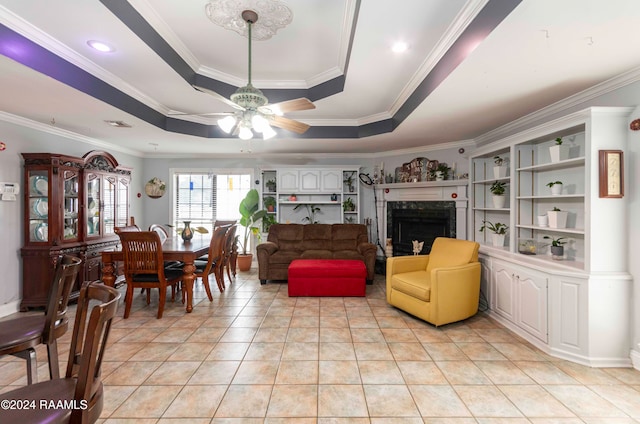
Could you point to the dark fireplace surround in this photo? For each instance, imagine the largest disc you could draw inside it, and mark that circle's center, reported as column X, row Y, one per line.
column 422, row 221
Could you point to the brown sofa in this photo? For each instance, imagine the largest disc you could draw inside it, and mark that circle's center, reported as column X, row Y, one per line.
column 287, row 242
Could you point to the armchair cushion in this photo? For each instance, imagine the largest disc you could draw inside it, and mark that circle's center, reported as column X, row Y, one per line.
column 415, row 283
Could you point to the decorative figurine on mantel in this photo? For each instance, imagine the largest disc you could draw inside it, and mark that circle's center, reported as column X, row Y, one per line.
column 417, row 246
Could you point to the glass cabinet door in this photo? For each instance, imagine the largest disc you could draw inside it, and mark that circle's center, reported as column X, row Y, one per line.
column 93, row 205
column 123, row 203
column 38, row 205
column 71, row 205
column 109, row 210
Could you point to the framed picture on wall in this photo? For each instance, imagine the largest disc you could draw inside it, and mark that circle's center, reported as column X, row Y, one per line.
column 611, row 173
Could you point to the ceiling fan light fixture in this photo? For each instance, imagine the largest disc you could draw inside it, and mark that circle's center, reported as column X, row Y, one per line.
column 245, row 133
column 259, row 123
column 227, row 123
column 268, row 132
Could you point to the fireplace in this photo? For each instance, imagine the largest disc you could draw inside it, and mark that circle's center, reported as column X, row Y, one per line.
column 421, row 221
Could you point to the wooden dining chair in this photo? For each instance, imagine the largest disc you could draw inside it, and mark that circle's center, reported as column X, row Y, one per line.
column 81, row 389
column 144, row 267
column 162, row 232
column 126, row 228
column 213, row 264
column 228, row 253
column 20, row 336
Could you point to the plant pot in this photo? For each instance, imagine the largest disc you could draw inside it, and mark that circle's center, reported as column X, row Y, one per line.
column 498, row 239
column 439, row 176
column 244, row 261
column 556, row 189
column 271, row 208
column 559, row 152
column 499, row 171
column 557, row 219
column 557, row 252
column 543, row 221
column 499, row 201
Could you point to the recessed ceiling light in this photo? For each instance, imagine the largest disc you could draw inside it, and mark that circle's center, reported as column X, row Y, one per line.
column 101, row 46
column 399, row 47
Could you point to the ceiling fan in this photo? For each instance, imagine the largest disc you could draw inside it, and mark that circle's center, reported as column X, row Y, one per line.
column 253, row 111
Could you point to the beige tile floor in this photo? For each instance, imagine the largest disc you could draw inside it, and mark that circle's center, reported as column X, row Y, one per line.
column 254, row 355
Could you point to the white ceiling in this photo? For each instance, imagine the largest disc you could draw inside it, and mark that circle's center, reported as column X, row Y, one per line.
column 542, row 52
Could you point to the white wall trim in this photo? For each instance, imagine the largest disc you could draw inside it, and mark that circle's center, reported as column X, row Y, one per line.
column 9, row 308
column 635, row 358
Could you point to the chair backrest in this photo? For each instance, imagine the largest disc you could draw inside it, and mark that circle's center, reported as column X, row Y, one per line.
column 126, row 229
column 448, row 252
column 162, row 232
column 88, row 344
column 56, row 320
column 142, row 252
column 229, row 240
column 216, row 246
column 220, row 223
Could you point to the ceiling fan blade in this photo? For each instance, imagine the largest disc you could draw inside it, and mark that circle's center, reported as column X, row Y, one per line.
column 289, row 124
column 219, row 97
column 291, row 106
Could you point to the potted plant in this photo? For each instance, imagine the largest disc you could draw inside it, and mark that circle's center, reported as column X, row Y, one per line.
column 441, row 172
column 557, row 248
column 500, row 170
column 556, row 187
column 270, row 203
column 348, row 205
column 498, row 229
column 557, row 218
column 293, row 197
column 267, row 222
column 497, row 189
column 250, row 215
column 312, row 210
column 559, row 151
column 348, row 181
column 271, row 185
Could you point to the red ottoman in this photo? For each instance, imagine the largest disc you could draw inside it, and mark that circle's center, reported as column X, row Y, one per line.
column 327, row 277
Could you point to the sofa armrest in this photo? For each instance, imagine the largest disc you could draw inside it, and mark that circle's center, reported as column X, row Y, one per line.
column 455, row 292
column 367, row 249
column 267, row 247
column 400, row 264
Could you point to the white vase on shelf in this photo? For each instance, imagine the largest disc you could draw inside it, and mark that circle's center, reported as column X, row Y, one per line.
column 499, row 201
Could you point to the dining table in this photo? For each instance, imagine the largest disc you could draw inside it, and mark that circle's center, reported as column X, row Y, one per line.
column 173, row 249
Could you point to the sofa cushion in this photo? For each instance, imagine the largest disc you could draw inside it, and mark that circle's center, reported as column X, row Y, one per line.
column 316, row 254
column 415, row 284
column 287, row 237
column 347, row 254
column 284, row 256
column 346, row 236
column 316, row 236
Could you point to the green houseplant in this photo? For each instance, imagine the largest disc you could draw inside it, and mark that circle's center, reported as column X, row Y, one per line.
column 250, row 215
column 500, row 168
column 558, row 151
column 557, row 248
column 348, row 205
column 556, row 187
column 557, row 218
column 269, row 203
column 312, row 210
column 348, row 181
column 271, row 185
column 498, row 229
column 497, row 190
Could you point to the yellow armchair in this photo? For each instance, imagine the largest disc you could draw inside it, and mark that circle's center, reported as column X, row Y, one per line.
column 441, row 287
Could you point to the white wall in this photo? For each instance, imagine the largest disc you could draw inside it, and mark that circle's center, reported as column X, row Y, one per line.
column 632, row 191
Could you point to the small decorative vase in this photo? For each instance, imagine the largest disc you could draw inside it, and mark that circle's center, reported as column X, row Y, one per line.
column 498, row 239
column 187, row 232
column 556, row 189
column 543, row 221
column 499, row 201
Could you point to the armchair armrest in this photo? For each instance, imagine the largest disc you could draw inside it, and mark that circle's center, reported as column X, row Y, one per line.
column 455, row 292
column 400, row 264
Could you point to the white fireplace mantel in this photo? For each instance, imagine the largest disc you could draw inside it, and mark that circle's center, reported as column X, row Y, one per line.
column 429, row 191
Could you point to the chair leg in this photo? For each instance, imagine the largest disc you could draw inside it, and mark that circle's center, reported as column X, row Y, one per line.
column 32, row 366
column 128, row 298
column 219, row 279
column 162, row 300
column 54, row 367
column 229, row 272
column 205, row 282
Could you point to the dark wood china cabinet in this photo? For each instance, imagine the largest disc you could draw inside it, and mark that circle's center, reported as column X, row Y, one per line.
column 71, row 206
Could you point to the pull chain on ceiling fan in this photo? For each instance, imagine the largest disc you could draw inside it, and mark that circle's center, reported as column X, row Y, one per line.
column 253, row 111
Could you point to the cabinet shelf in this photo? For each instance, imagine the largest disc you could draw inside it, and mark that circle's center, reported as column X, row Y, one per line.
column 492, row 180
column 493, row 209
column 555, row 230
column 563, row 164
column 550, row 196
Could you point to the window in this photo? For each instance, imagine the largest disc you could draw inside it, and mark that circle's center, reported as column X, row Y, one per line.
column 203, row 197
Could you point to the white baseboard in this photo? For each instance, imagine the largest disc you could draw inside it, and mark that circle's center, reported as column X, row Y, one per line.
column 9, row 308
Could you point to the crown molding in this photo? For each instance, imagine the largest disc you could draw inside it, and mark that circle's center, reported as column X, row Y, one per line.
column 605, row 87
column 430, row 148
column 60, row 132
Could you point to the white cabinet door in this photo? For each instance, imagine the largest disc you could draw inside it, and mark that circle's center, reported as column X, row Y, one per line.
column 503, row 290
column 331, row 181
column 531, row 296
column 288, row 181
column 309, row 181
column 485, row 278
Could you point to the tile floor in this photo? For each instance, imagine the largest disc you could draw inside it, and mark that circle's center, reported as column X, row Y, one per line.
column 254, row 355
